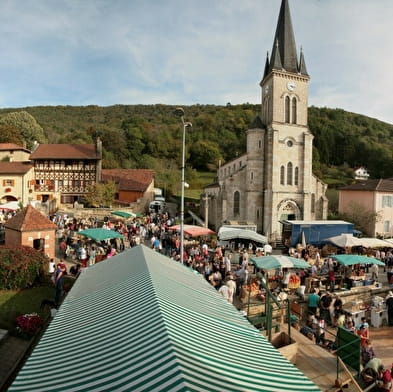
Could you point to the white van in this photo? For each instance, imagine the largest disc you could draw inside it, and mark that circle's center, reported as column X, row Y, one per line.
column 157, row 206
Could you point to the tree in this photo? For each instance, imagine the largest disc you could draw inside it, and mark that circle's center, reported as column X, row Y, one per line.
column 363, row 218
column 101, row 194
column 27, row 125
column 10, row 134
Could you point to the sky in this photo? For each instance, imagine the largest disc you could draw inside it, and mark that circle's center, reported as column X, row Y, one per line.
column 106, row 52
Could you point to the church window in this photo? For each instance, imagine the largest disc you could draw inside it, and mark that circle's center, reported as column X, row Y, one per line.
column 252, row 176
column 312, row 203
column 282, row 175
column 259, row 144
column 294, row 110
column 287, row 109
column 289, row 143
column 289, row 173
column 296, row 175
column 236, row 203
column 257, row 214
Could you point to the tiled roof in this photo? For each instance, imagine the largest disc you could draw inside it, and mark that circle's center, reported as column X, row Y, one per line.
column 65, row 151
column 129, row 179
column 14, row 167
column 380, row 185
column 11, row 147
column 29, row 219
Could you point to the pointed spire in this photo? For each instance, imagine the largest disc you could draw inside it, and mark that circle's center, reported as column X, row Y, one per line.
column 284, row 48
column 266, row 71
column 302, row 63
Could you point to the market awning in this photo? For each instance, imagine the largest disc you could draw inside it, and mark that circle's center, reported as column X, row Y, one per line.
column 99, row 234
column 278, row 261
column 143, row 322
column 356, row 259
column 227, row 233
column 193, row 231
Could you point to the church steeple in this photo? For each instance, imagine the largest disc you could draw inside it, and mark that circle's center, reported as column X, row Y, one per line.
column 284, row 55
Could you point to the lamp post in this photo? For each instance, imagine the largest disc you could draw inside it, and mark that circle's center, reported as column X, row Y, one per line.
column 186, row 124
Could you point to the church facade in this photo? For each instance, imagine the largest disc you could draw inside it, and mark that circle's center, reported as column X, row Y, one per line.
column 273, row 180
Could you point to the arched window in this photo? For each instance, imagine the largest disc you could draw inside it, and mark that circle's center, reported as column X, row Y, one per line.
column 294, row 110
column 282, row 175
column 257, row 214
column 289, row 173
column 252, row 176
column 287, row 109
column 259, row 143
column 312, row 203
column 296, row 175
column 236, row 203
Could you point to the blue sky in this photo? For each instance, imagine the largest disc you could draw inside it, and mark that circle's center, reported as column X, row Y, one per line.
column 104, row 52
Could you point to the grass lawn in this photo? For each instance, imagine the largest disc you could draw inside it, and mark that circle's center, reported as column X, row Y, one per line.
column 16, row 302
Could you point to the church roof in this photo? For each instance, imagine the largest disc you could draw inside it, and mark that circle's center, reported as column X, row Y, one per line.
column 284, row 54
column 379, row 185
column 257, row 123
column 29, row 219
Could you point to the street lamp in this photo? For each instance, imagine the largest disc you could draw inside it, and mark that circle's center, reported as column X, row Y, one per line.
column 186, row 124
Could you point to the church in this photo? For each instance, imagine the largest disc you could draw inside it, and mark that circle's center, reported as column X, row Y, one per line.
column 273, row 180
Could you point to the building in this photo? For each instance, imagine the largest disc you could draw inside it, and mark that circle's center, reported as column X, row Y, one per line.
column 133, row 185
column 273, row 180
column 30, row 228
column 361, row 173
column 13, row 153
column 15, row 180
column 375, row 197
column 65, row 171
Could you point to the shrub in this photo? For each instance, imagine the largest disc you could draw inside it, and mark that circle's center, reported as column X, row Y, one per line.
column 29, row 324
column 20, row 266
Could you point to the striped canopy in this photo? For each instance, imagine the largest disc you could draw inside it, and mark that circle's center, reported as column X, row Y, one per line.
column 278, row 261
column 143, row 322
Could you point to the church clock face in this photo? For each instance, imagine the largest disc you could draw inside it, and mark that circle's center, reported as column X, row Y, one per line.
column 291, row 86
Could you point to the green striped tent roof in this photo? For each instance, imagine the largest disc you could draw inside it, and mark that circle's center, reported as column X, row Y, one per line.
column 140, row 321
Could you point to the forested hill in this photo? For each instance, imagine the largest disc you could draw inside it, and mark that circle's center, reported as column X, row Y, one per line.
column 150, row 136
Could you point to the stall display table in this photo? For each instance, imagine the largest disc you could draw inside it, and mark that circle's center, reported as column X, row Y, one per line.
column 357, row 315
column 379, row 316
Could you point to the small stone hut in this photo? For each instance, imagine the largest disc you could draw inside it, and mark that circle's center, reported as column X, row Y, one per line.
column 30, row 227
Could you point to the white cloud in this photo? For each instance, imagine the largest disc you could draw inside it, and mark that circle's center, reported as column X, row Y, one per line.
column 200, row 51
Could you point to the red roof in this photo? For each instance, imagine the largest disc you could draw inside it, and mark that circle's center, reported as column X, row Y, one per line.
column 12, row 147
column 65, row 151
column 29, row 219
column 14, row 167
column 380, row 185
column 129, row 179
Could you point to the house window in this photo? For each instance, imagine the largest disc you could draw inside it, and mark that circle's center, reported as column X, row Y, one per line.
column 236, row 203
column 386, row 226
column 387, row 201
column 289, row 173
column 8, row 182
column 296, row 175
column 294, row 110
column 282, row 175
column 287, row 109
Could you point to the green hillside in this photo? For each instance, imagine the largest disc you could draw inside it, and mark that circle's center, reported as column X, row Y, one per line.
column 150, row 136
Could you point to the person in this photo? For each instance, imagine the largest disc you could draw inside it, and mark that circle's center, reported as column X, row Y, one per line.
column 231, row 287
column 287, row 276
column 59, row 274
column 224, row 291
column 331, row 279
column 313, row 302
column 92, row 255
column 374, row 272
column 324, row 307
column 364, row 336
column 367, row 352
column 337, row 308
column 389, row 306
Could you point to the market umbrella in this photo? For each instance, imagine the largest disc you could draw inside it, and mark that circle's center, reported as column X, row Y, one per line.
column 193, row 231
column 344, row 240
column 355, row 259
column 11, row 205
column 374, row 243
column 227, row 233
column 278, row 261
column 122, row 214
column 99, row 234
